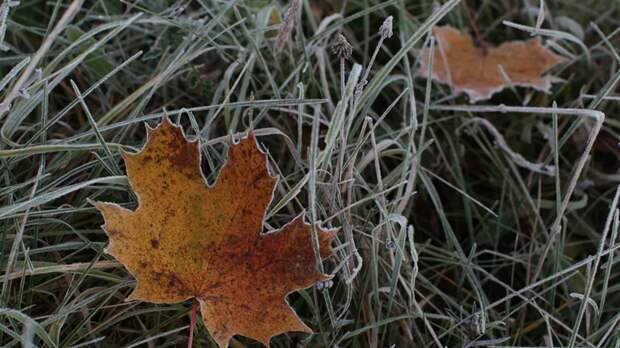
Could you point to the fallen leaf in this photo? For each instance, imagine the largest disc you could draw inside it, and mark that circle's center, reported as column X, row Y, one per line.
column 188, row 240
column 478, row 72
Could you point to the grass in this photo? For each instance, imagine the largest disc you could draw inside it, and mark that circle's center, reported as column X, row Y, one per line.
column 448, row 238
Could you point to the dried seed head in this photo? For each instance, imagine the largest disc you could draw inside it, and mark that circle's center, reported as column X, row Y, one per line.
column 287, row 27
column 341, row 47
column 386, row 28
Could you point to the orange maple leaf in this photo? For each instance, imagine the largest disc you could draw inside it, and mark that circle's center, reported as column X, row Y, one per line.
column 188, row 240
column 478, row 72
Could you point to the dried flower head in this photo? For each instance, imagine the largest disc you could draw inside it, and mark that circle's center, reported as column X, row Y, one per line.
column 341, row 47
column 287, row 27
column 386, row 28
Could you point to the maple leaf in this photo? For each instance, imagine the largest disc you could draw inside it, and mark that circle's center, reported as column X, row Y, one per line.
column 478, row 72
column 188, row 240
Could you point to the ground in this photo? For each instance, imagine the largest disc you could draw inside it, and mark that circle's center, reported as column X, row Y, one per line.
column 451, row 234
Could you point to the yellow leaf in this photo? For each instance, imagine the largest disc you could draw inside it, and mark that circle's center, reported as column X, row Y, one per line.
column 187, row 240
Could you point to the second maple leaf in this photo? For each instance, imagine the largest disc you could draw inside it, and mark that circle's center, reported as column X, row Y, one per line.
column 482, row 72
column 188, row 240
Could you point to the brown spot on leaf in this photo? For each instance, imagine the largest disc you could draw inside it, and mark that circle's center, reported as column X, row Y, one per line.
column 114, row 233
column 184, row 156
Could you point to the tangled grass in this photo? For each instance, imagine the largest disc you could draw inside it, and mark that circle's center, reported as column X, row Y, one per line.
column 448, row 239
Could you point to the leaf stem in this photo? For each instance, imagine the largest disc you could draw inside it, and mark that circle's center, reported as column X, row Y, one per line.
column 192, row 324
